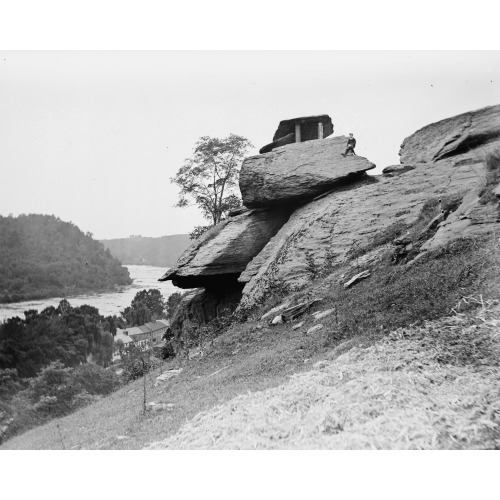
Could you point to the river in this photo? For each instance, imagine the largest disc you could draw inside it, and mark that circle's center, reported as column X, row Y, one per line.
column 107, row 303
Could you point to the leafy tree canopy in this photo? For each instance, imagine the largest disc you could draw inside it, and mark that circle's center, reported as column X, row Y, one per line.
column 172, row 303
column 69, row 335
column 146, row 306
column 209, row 178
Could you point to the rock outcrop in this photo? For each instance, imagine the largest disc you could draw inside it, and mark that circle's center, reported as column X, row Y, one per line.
column 312, row 210
column 198, row 307
column 323, row 233
column 298, row 172
column 459, row 135
column 470, row 220
column 218, row 257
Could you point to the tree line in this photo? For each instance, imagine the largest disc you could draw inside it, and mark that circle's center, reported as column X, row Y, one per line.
column 42, row 256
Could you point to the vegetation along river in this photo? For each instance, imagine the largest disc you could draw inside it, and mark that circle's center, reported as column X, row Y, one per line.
column 108, row 303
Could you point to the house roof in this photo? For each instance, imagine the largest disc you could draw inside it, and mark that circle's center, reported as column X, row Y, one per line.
column 122, row 336
column 134, row 330
column 150, row 327
column 156, row 325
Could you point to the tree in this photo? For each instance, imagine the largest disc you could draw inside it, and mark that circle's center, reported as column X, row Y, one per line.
column 119, row 347
column 152, row 299
column 146, row 306
column 137, row 315
column 65, row 334
column 172, row 303
column 210, row 177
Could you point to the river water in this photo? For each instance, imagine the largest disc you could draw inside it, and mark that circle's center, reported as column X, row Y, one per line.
column 107, row 303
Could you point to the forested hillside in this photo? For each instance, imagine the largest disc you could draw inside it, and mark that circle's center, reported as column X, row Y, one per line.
column 42, row 256
column 163, row 251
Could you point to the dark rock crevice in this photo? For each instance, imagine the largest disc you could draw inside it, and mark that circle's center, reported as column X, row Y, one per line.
column 201, row 306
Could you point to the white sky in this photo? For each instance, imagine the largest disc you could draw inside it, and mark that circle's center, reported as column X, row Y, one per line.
column 94, row 137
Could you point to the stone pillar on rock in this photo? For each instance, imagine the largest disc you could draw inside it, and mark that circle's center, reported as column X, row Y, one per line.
column 306, row 128
column 297, row 132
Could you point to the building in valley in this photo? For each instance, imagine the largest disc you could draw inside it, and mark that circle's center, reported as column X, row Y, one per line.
column 143, row 336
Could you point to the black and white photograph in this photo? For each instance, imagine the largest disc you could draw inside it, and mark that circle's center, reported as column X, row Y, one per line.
column 249, row 250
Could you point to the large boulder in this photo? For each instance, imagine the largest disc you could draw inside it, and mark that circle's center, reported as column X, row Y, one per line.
column 298, row 172
column 217, row 258
column 452, row 137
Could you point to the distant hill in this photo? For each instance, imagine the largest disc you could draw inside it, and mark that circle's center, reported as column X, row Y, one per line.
column 162, row 251
column 42, row 256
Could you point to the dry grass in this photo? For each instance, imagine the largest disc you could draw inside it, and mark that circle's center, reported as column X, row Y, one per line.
column 408, row 391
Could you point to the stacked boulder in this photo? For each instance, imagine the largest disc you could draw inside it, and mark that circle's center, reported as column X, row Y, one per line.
column 308, row 206
column 273, row 186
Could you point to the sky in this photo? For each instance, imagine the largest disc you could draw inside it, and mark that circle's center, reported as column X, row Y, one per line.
column 94, row 137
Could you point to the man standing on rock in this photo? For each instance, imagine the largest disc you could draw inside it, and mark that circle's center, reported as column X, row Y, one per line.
column 351, row 144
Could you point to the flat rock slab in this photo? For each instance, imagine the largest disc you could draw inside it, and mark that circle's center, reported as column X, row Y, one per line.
column 298, row 171
column 314, row 329
column 356, row 278
column 226, row 249
column 166, row 376
column 158, row 406
column 322, row 314
column 275, row 310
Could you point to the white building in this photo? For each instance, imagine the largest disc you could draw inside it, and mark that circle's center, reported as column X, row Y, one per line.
column 143, row 336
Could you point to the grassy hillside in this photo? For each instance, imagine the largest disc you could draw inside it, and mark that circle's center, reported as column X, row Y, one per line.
column 408, row 360
column 163, row 251
column 42, row 256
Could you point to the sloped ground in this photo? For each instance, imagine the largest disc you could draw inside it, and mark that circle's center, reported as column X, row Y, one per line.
column 382, row 392
column 431, row 387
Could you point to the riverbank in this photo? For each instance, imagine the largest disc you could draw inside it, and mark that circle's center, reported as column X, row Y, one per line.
column 60, row 293
column 108, row 303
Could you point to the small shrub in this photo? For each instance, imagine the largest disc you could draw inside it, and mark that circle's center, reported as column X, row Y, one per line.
column 95, row 380
column 137, row 363
column 10, row 383
column 83, row 399
column 47, row 405
column 492, row 162
column 168, row 350
column 312, row 267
